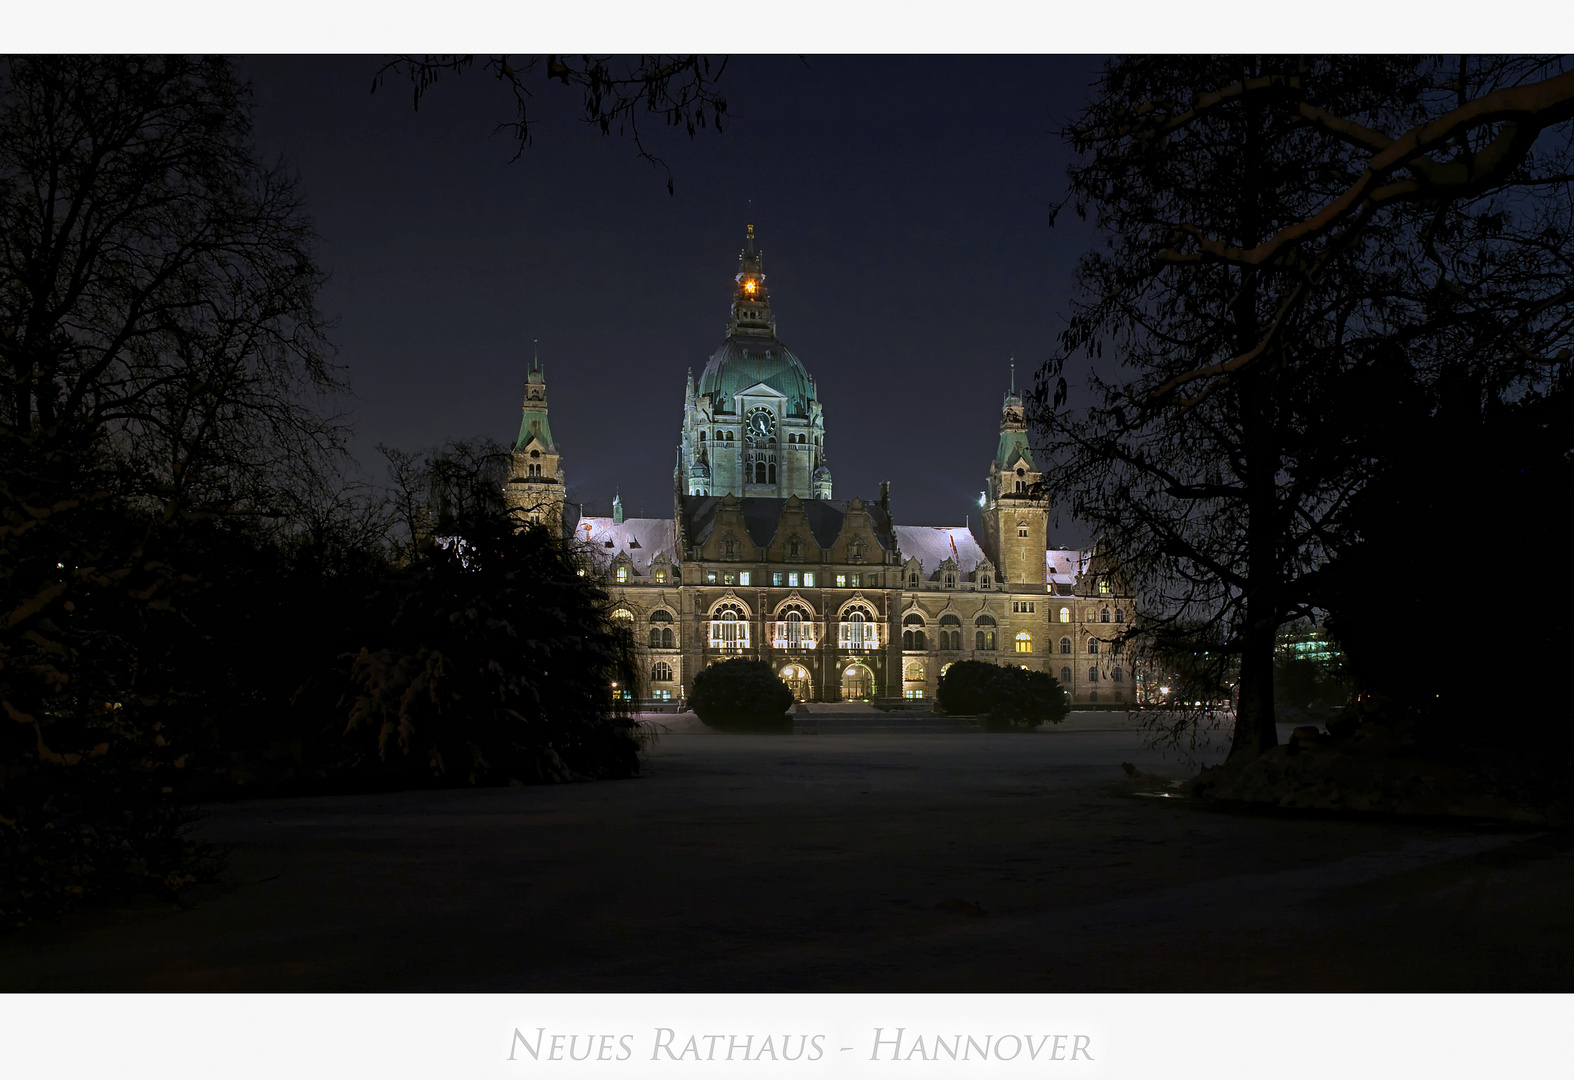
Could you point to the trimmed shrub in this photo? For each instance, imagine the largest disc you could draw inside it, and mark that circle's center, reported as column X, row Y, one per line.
column 1009, row 698
column 964, row 688
column 741, row 695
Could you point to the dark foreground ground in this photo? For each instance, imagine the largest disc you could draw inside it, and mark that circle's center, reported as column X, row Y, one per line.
column 836, row 863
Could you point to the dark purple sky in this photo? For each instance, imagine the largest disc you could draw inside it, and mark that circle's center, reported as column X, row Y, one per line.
column 901, row 204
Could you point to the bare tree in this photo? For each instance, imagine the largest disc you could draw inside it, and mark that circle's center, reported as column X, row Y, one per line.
column 621, row 96
column 1264, row 304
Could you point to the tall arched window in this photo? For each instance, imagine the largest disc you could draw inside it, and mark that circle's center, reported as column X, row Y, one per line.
column 1065, row 645
column 1120, row 614
column 1117, row 675
column 984, row 636
column 1093, row 646
column 1024, row 642
column 1093, row 674
column 661, row 636
column 661, row 671
column 1065, row 614
column 1104, row 615
column 913, row 632
column 950, row 632
column 729, row 628
column 794, row 629
column 1065, row 676
column 858, row 632
column 912, row 581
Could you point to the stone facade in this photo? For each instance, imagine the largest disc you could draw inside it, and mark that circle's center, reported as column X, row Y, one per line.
column 758, row 560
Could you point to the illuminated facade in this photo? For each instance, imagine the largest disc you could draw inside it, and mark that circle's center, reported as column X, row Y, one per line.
column 759, row 560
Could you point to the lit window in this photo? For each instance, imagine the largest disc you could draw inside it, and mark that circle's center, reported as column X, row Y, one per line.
column 1024, row 642
column 841, row 581
column 1065, row 614
column 776, row 579
column 743, row 578
column 852, row 581
column 710, row 577
column 623, row 573
column 808, row 580
column 661, row 577
column 792, row 578
column 623, row 615
column 1104, row 586
column 729, row 578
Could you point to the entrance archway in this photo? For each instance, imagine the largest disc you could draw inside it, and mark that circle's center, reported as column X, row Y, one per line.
column 857, row 683
column 796, row 676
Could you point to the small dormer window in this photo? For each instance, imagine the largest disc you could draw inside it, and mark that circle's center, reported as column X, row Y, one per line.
column 983, row 581
column 623, row 574
column 950, row 581
column 608, row 542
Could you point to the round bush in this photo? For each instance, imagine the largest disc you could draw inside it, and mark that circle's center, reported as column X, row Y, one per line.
column 741, row 695
column 1009, row 698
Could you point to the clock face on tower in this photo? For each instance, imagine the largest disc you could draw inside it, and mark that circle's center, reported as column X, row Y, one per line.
column 762, row 425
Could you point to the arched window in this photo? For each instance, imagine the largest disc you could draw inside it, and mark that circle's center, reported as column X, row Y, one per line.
column 912, row 581
column 661, row 671
column 1021, row 527
column 1093, row 646
column 913, row 632
column 1120, row 614
column 1021, row 486
column 794, row 629
column 950, row 632
column 1065, row 676
column 1093, row 697
column 1024, row 642
column 759, row 470
column 655, row 637
column 913, row 672
column 1065, row 614
column 858, row 631
column 729, row 628
column 771, row 470
column 661, row 615
column 623, row 575
column 950, row 581
column 1104, row 615
column 1065, row 645
column 622, row 617
column 984, row 637
column 1117, row 675
column 1093, row 674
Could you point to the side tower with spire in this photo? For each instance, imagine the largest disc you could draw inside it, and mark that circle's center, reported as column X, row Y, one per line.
column 534, row 491
column 1016, row 511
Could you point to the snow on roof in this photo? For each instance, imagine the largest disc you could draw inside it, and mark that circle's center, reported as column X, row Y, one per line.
column 642, row 539
column 1062, row 566
column 932, row 545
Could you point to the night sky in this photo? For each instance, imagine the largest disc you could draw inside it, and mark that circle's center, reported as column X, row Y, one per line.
column 901, row 205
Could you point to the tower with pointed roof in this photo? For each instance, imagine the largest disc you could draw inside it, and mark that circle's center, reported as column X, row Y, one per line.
column 534, row 492
column 1016, row 510
column 753, row 425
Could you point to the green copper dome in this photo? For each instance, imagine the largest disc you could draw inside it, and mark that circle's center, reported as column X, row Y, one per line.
column 743, row 362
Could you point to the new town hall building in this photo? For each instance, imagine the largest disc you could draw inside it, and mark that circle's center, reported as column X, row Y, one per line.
column 759, row 560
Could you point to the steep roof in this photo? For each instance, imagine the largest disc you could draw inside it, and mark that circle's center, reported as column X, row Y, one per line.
column 761, row 517
column 932, row 545
column 642, row 539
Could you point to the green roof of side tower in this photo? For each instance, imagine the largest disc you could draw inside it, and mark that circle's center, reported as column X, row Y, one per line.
column 534, row 422
column 752, row 354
